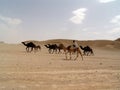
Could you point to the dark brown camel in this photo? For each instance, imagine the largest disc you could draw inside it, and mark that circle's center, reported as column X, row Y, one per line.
column 31, row 45
column 71, row 49
column 51, row 48
column 37, row 48
column 87, row 50
column 60, row 47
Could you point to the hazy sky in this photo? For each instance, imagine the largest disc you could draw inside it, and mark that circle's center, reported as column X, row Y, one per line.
column 22, row 20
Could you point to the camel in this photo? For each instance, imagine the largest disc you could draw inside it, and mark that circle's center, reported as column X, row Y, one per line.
column 52, row 48
column 69, row 49
column 87, row 50
column 31, row 45
column 37, row 48
column 59, row 47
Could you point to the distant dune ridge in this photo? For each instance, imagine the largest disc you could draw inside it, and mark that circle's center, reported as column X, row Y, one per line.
column 1, row 42
column 118, row 40
column 113, row 44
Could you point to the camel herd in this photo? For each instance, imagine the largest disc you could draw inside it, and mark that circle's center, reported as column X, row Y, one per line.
column 54, row 48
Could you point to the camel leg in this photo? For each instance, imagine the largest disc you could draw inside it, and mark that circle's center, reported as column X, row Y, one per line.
column 59, row 51
column 27, row 49
column 70, row 56
column 39, row 48
column 31, row 49
column 80, row 54
column 56, row 51
column 49, row 50
column 84, row 52
column 66, row 55
column 92, row 52
column 87, row 53
column 53, row 51
column 76, row 56
column 35, row 49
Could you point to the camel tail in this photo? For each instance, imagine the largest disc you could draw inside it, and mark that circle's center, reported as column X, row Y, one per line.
column 92, row 52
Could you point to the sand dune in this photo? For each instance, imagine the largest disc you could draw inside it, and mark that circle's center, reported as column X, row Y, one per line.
column 20, row 70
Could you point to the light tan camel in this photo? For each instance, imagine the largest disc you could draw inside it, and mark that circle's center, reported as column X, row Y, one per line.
column 69, row 49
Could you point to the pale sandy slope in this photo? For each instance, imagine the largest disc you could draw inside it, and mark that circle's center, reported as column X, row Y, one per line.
column 43, row 71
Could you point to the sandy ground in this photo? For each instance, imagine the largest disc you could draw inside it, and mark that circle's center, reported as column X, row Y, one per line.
column 20, row 70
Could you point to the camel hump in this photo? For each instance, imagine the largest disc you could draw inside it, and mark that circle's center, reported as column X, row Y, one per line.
column 71, row 47
column 61, row 45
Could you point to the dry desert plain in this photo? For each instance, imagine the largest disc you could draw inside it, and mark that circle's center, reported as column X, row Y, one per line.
column 20, row 70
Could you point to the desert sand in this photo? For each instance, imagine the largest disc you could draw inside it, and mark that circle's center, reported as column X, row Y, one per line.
column 20, row 70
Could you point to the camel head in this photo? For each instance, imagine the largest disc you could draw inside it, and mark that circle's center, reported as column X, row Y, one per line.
column 81, row 47
column 23, row 43
column 46, row 46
